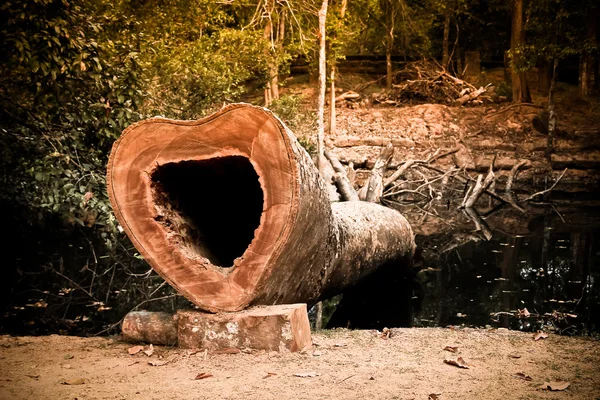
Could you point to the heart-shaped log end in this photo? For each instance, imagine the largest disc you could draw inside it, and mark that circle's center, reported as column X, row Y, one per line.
column 207, row 203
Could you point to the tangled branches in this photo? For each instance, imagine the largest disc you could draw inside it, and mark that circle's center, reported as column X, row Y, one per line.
column 427, row 82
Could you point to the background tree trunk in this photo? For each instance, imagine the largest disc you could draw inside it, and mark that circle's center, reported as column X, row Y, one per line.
column 446, row 44
column 322, row 86
column 389, row 47
column 520, row 89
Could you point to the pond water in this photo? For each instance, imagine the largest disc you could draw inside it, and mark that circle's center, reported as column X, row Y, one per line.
column 539, row 269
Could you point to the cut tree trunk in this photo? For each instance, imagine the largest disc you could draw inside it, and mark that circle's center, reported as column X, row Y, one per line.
column 231, row 211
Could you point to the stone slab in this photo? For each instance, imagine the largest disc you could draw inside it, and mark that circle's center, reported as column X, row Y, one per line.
column 271, row 328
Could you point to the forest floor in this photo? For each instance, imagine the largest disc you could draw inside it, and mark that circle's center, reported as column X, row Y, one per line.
column 342, row 364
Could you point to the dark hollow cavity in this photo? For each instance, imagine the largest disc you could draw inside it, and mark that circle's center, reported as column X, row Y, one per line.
column 213, row 206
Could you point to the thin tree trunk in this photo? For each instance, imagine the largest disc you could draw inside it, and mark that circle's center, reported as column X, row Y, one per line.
column 322, row 86
column 319, row 316
column 388, row 53
column 446, row 44
column 268, row 32
column 520, row 89
column 332, row 126
column 551, row 111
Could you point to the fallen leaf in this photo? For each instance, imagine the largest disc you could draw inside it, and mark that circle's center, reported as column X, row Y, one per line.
column 452, row 349
column 202, row 375
column 540, row 335
column 75, row 381
column 269, row 374
column 158, row 363
column 311, row 374
column 68, row 356
column 135, row 349
column 521, row 375
column 555, row 385
column 434, row 396
column 228, row 350
column 149, row 351
column 514, row 356
column 459, row 362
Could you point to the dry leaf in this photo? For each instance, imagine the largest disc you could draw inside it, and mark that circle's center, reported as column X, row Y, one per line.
column 434, row 396
column 514, row 356
column 202, row 375
column 75, row 381
column 149, row 351
column 540, row 335
column 459, row 362
column 135, row 349
column 452, row 349
column 228, row 350
column 521, row 375
column 68, row 356
column 158, row 363
column 269, row 374
column 311, row 374
column 555, row 385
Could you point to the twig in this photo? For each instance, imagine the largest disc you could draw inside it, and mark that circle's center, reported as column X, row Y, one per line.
column 512, row 106
column 547, row 190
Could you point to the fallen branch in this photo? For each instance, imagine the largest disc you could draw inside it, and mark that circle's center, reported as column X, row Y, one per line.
column 408, row 164
column 510, row 194
column 479, row 189
column 505, row 109
column 341, row 179
column 547, row 190
column 470, row 96
column 480, row 224
column 375, row 185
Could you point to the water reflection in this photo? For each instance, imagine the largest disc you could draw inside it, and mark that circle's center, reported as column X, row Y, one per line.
column 536, row 270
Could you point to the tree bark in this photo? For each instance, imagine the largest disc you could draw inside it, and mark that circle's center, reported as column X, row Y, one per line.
column 231, row 211
column 520, row 89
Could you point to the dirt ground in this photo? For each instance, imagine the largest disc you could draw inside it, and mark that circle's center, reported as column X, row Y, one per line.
column 341, row 364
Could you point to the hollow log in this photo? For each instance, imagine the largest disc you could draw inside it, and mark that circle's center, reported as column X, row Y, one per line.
column 232, row 212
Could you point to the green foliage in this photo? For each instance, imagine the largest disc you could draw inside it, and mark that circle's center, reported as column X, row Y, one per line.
column 66, row 93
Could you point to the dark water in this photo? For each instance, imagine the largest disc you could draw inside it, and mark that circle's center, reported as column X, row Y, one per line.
column 540, row 269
